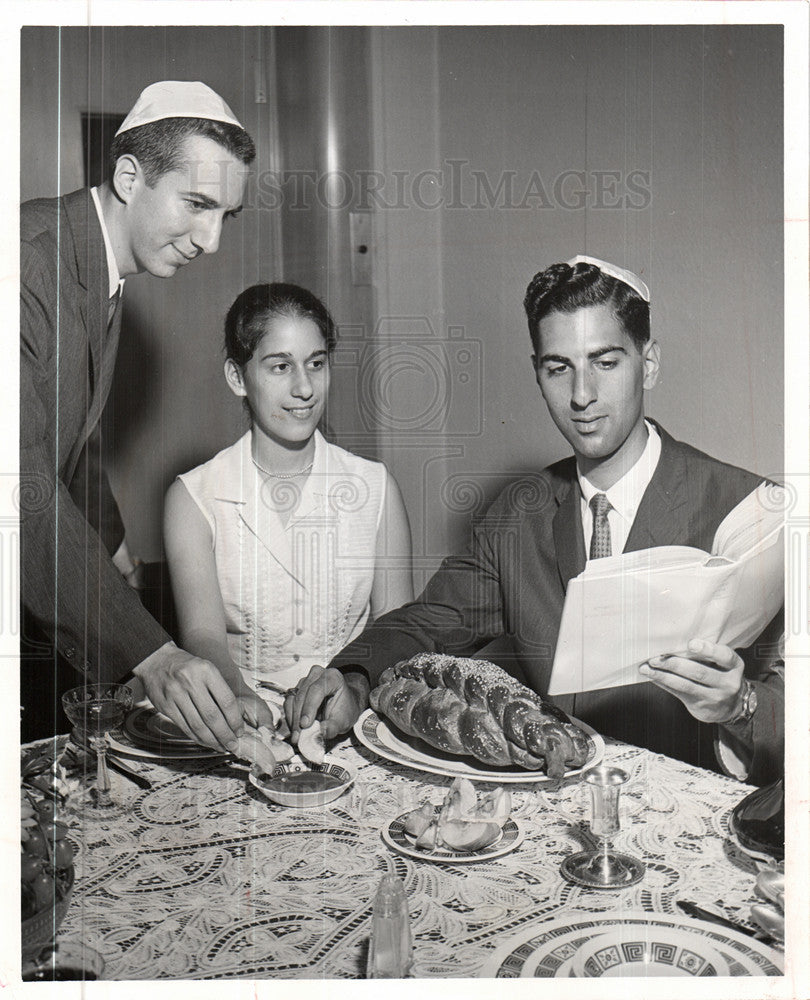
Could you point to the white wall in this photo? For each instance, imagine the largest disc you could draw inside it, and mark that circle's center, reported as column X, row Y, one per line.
column 699, row 111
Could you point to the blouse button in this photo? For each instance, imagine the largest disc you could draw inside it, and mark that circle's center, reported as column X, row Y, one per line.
column 296, row 657
column 299, row 631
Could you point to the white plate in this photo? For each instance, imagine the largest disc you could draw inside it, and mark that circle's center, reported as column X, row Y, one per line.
column 398, row 840
column 546, row 950
column 644, row 950
column 377, row 734
column 739, row 964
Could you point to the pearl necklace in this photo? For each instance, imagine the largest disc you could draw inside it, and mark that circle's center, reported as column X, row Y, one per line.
column 282, row 475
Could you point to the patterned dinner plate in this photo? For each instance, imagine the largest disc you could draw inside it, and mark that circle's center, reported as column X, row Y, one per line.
column 149, row 728
column 738, row 964
column 548, row 950
column 143, row 736
column 384, row 739
column 395, row 837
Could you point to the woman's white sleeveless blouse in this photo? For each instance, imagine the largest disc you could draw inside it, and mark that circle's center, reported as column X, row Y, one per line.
column 294, row 594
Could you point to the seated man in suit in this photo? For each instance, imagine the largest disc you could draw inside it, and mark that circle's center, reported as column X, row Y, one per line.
column 628, row 486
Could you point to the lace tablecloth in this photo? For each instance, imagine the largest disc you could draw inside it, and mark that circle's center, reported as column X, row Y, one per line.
column 204, row 878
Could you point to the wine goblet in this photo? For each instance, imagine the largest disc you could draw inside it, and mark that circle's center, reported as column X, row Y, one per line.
column 603, row 868
column 94, row 710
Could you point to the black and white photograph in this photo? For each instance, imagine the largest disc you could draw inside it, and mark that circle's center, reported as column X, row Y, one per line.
column 405, row 537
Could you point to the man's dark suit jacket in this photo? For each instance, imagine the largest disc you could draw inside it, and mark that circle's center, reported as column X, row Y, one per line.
column 524, row 551
column 73, row 596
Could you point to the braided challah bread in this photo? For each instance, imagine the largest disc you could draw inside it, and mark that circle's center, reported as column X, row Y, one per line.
column 474, row 708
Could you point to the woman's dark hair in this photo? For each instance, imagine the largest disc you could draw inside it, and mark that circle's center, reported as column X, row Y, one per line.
column 158, row 146
column 246, row 322
column 563, row 288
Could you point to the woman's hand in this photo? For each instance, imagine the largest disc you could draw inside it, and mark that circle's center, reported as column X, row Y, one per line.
column 709, row 680
column 338, row 697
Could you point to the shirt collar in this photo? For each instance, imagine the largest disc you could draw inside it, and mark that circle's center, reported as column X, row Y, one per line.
column 625, row 495
column 240, row 486
column 116, row 281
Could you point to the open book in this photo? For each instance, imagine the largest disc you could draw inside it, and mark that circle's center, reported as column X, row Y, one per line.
column 623, row 609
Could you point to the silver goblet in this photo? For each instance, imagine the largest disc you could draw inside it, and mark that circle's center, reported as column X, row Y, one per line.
column 603, row 868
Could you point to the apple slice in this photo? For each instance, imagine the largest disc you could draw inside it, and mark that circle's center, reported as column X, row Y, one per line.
column 459, row 835
column 427, row 840
column 494, row 807
column 418, row 820
column 311, row 745
column 249, row 746
column 459, row 802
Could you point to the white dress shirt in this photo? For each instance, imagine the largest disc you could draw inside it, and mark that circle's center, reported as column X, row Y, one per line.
column 624, row 496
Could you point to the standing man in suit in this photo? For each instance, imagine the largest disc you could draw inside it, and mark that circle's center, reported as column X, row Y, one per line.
column 628, row 486
column 178, row 166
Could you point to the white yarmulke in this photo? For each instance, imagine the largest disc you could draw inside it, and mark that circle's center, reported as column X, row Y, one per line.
column 619, row 273
column 177, row 99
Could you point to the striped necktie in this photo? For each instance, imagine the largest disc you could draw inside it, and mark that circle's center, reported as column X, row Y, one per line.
column 600, row 539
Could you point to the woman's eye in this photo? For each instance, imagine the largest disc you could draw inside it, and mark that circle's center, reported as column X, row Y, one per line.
column 196, row 206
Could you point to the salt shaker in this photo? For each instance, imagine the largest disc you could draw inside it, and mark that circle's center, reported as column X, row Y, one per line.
column 389, row 952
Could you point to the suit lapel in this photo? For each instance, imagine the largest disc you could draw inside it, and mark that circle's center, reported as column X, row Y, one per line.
column 663, row 514
column 93, row 296
column 569, row 545
column 91, row 262
column 662, row 517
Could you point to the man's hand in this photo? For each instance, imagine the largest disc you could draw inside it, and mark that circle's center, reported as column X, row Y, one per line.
column 340, row 698
column 255, row 710
column 709, row 680
column 193, row 694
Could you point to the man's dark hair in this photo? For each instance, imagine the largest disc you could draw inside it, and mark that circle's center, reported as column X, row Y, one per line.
column 564, row 288
column 158, row 146
column 247, row 319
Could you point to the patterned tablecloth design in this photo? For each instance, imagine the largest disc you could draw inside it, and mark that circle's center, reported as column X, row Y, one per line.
column 204, row 878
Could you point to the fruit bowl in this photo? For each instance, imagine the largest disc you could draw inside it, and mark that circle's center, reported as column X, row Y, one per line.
column 46, row 862
column 38, row 932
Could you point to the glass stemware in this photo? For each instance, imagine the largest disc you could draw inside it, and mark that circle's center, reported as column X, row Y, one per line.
column 95, row 710
column 603, row 868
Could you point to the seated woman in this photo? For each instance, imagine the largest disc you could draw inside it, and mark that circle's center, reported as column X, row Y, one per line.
column 283, row 545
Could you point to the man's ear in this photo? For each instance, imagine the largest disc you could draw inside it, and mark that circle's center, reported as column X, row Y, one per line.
column 233, row 376
column 652, row 363
column 536, row 370
column 126, row 176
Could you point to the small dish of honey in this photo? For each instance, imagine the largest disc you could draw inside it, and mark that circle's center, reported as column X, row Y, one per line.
column 293, row 784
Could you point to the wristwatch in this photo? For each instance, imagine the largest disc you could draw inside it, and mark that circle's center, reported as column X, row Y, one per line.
column 748, row 705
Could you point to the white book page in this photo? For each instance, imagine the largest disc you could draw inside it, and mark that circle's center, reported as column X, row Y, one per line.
column 624, row 609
